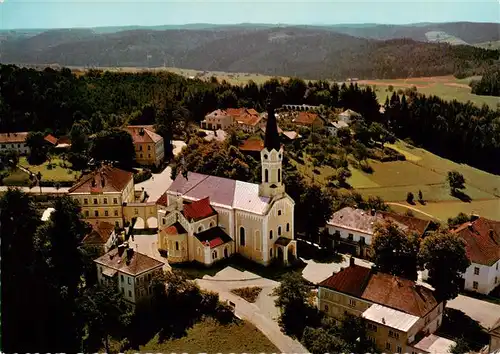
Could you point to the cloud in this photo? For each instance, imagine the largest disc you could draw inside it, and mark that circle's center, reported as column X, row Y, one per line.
column 1, row 1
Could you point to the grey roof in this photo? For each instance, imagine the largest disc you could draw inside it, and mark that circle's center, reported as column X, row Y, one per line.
column 390, row 317
column 434, row 344
column 340, row 124
column 359, row 220
column 221, row 191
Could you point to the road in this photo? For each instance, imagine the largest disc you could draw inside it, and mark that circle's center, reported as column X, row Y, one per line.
column 262, row 314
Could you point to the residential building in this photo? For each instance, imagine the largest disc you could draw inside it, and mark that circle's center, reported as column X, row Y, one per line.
column 149, row 146
column 399, row 313
column 482, row 238
column 51, row 140
column 494, row 332
column 348, row 115
column 14, row 141
column 101, row 238
column 333, row 127
column 245, row 119
column 291, row 135
column 252, row 146
column 132, row 271
column 351, row 230
column 103, row 193
column 254, row 220
column 308, row 119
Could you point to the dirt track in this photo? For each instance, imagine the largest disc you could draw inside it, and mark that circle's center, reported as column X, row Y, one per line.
column 431, row 81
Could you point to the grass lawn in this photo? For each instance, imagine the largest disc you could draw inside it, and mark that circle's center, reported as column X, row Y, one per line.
column 209, row 336
column 17, row 178
column 57, row 173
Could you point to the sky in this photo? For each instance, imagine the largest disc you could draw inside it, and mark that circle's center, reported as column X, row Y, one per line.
column 93, row 13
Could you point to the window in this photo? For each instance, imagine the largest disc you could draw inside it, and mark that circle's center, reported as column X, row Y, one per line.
column 149, row 147
column 140, row 147
column 388, row 346
column 211, row 224
column 265, row 156
column 85, row 201
column 350, row 237
column 352, row 303
column 439, row 310
column 496, row 280
column 279, row 174
column 214, row 255
column 242, row 236
column 371, row 327
column 117, row 224
column 399, row 349
column 476, row 270
column 200, row 228
column 176, row 245
column 141, row 155
column 121, row 277
column 115, row 200
column 136, row 211
column 287, row 227
column 87, row 213
column 105, row 200
column 123, row 290
column 129, row 293
column 362, row 239
column 393, row 334
column 475, row 285
column 96, row 213
column 149, row 155
column 106, row 213
column 279, row 212
column 116, row 212
column 129, row 280
column 326, row 308
column 279, row 230
column 266, row 175
column 270, row 234
column 95, row 200
column 271, row 253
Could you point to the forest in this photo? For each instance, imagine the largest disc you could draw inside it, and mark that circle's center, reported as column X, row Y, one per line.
column 489, row 84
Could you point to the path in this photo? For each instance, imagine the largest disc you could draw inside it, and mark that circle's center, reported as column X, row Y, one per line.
column 36, row 190
column 156, row 185
column 262, row 313
column 414, row 209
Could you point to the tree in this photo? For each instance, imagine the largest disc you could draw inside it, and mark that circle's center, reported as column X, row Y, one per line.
column 456, row 181
column 315, row 207
column 390, row 88
column 410, row 197
column 114, row 145
column 9, row 158
column 79, row 136
column 460, row 219
column 342, row 174
column 442, row 248
column 106, row 314
column 395, row 252
column 461, row 347
column 35, row 141
column 420, row 195
column 295, row 311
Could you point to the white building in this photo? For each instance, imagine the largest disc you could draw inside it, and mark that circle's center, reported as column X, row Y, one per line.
column 348, row 115
column 482, row 238
column 333, row 127
column 14, row 141
column 133, row 272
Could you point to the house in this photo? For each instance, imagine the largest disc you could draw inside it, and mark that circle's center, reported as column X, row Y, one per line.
column 254, row 220
column 482, row 238
column 400, row 315
column 333, row 127
column 14, row 141
column 51, row 140
column 103, row 193
column 218, row 119
column 308, row 119
column 132, row 270
column 149, row 146
column 63, row 142
column 252, row 146
column 291, row 135
column 494, row 333
column 245, row 119
column 351, row 230
column 348, row 115
column 101, row 238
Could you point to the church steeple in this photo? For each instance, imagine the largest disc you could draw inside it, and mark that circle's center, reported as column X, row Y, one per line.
column 272, row 139
column 271, row 158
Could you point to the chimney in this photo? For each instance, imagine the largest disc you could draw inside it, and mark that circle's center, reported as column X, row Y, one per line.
column 373, row 212
column 383, row 320
column 121, row 249
column 351, row 261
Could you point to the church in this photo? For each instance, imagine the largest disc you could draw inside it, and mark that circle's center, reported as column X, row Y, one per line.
column 206, row 218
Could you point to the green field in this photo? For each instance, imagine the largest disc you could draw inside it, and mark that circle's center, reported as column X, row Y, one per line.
column 57, row 173
column 210, row 337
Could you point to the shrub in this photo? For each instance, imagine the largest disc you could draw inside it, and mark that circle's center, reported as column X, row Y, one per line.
column 250, row 294
column 142, row 176
column 365, row 167
column 410, row 197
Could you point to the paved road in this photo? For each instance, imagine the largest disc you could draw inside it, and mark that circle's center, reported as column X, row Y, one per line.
column 484, row 312
column 156, row 185
column 262, row 314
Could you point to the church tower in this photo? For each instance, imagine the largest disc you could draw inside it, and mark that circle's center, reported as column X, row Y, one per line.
column 271, row 158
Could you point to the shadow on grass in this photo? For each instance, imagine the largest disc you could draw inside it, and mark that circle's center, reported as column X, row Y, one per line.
column 461, row 195
column 457, row 324
column 319, row 255
column 423, row 202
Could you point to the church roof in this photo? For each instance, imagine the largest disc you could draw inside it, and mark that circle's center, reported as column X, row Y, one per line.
column 198, row 210
column 223, row 192
column 214, row 237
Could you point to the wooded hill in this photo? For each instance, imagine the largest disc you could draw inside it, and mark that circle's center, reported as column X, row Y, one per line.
column 308, row 52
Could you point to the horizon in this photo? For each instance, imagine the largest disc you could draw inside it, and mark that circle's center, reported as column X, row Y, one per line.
column 56, row 14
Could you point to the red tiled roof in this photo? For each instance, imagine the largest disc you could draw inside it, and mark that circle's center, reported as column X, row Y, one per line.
column 482, row 238
column 19, row 137
column 351, row 280
column 100, row 234
column 134, row 264
column 306, row 118
column 163, row 200
column 252, row 145
column 175, row 229
column 399, row 293
column 198, row 210
column 215, row 236
column 51, row 139
column 413, row 224
column 248, row 119
column 142, row 134
column 104, row 179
